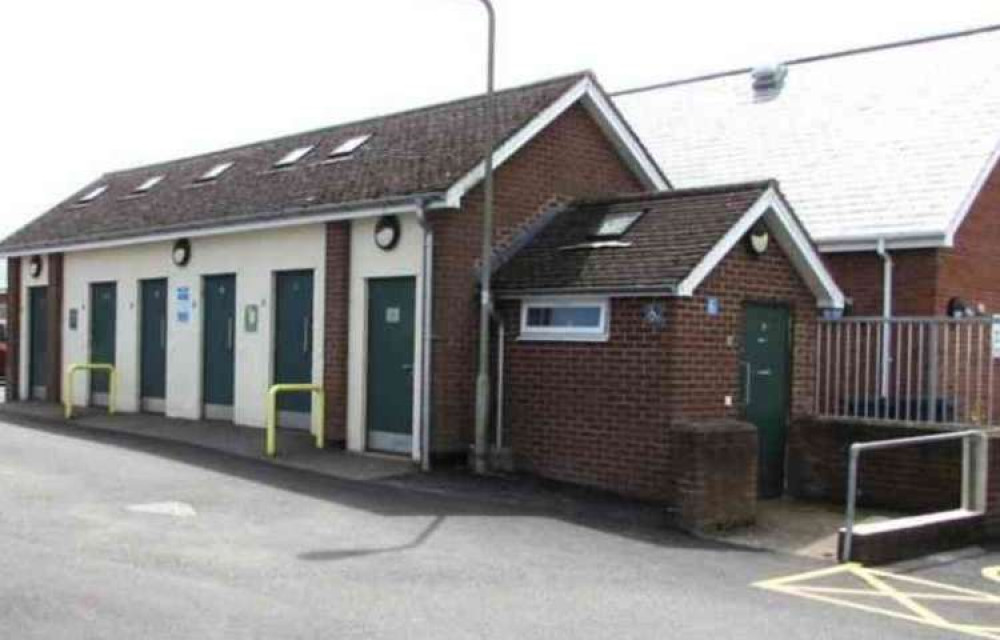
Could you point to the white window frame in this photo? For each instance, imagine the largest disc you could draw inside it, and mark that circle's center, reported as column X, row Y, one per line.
column 599, row 333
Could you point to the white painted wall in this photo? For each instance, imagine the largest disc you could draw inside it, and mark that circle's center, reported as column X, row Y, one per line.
column 27, row 282
column 367, row 262
column 253, row 256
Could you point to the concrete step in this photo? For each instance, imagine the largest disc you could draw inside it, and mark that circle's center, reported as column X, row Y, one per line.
column 912, row 536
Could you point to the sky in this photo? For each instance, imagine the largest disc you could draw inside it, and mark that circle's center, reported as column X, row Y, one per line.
column 100, row 85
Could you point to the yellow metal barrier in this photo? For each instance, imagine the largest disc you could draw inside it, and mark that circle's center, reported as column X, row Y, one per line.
column 318, row 419
column 112, row 385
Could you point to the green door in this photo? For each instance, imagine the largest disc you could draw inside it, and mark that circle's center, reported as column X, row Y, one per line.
column 153, row 344
column 38, row 344
column 766, row 390
column 103, row 300
column 293, row 343
column 218, row 345
column 390, row 364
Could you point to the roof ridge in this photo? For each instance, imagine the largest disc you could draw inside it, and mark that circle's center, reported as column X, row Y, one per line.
column 319, row 130
column 842, row 53
column 653, row 196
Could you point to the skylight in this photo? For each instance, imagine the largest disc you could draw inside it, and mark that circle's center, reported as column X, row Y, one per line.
column 215, row 171
column 350, row 145
column 615, row 224
column 294, row 156
column 92, row 194
column 148, row 184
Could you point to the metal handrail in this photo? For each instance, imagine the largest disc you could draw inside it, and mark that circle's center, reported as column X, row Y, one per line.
column 90, row 366
column 973, row 473
column 319, row 415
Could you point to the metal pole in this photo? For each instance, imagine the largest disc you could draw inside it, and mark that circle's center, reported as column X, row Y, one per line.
column 852, row 497
column 485, row 301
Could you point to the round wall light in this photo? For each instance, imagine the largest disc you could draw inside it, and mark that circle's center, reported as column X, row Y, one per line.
column 181, row 254
column 759, row 239
column 35, row 266
column 387, row 233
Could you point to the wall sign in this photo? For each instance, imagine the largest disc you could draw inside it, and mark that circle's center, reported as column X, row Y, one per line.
column 251, row 316
column 392, row 315
column 712, row 306
column 654, row 315
column 74, row 319
column 183, row 305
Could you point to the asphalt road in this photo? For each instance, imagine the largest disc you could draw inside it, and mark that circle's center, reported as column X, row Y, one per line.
column 99, row 540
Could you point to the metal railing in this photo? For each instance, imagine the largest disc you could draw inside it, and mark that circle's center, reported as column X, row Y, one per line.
column 975, row 452
column 318, row 416
column 98, row 366
column 918, row 369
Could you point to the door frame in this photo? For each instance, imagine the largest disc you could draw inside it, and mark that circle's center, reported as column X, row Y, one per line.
column 789, row 310
column 223, row 415
column 366, row 360
column 290, row 417
column 141, row 402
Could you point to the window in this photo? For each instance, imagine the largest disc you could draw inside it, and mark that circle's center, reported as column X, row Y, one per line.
column 615, row 224
column 148, row 184
column 92, row 194
column 215, row 172
column 349, row 146
column 293, row 156
column 570, row 319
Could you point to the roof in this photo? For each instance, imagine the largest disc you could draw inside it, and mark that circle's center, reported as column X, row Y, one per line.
column 677, row 229
column 884, row 142
column 410, row 154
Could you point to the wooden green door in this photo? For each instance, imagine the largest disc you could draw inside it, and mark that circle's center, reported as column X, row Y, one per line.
column 38, row 343
column 218, row 346
column 293, row 343
column 103, row 302
column 766, row 390
column 391, row 347
column 153, row 344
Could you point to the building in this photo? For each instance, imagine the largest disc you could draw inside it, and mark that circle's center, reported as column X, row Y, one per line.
column 341, row 256
column 634, row 324
column 889, row 154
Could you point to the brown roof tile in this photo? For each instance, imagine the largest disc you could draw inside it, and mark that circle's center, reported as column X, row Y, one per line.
column 410, row 153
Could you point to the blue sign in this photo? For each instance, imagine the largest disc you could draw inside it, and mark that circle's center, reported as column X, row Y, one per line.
column 712, row 306
column 183, row 304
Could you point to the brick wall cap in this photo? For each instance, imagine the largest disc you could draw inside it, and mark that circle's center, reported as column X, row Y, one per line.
column 715, row 425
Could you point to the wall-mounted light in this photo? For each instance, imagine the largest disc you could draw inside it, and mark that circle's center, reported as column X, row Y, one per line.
column 35, row 266
column 181, row 254
column 759, row 239
column 387, row 233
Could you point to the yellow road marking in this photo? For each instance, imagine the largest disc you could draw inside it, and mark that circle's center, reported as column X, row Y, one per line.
column 883, row 590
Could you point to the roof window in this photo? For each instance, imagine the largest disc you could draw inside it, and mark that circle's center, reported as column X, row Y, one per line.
column 293, row 156
column 215, row 172
column 148, row 184
column 92, row 194
column 615, row 224
column 349, row 146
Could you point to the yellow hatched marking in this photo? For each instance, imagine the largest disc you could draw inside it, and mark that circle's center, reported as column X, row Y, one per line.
column 882, row 590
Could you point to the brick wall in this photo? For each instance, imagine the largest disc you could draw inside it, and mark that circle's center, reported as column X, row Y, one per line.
column 13, row 368
column 53, row 328
column 914, row 281
column 337, row 305
column 600, row 414
column 572, row 158
column 919, row 479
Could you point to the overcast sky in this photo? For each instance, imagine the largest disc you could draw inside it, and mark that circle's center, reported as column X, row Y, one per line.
column 97, row 85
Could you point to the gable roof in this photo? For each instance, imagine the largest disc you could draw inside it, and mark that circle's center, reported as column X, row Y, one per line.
column 432, row 152
column 671, row 248
column 886, row 142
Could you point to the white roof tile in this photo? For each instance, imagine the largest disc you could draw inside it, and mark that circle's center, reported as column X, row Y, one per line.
column 882, row 143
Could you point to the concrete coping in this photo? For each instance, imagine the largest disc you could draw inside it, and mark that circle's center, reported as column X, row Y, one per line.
column 714, row 425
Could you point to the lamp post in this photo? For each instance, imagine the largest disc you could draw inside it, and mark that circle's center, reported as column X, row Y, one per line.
column 485, row 299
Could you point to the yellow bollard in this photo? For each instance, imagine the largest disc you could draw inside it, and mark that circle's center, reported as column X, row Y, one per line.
column 319, row 416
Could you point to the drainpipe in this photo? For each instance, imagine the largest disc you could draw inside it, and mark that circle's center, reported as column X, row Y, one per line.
column 886, row 312
column 426, row 334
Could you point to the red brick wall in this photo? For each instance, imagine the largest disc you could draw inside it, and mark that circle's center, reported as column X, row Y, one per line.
column 971, row 269
column 600, row 414
column 53, row 327
column 13, row 369
column 572, row 158
column 914, row 281
column 336, row 305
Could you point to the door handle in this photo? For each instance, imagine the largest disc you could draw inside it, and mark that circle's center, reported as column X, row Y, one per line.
column 408, row 368
column 747, row 383
column 229, row 334
column 305, row 335
column 163, row 334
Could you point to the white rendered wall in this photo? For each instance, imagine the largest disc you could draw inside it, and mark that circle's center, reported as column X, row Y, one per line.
column 367, row 262
column 253, row 256
column 28, row 282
